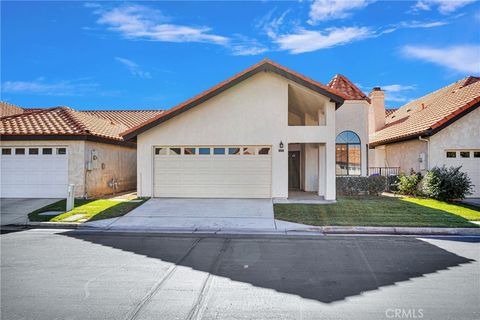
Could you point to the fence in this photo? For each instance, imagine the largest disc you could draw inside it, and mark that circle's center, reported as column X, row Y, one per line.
column 384, row 171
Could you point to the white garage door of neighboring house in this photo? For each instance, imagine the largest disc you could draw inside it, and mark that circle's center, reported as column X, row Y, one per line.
column 470, row 162
column 213, row 172
column 34, row 172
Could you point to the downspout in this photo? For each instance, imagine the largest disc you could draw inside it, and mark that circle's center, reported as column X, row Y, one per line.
column 427, row 167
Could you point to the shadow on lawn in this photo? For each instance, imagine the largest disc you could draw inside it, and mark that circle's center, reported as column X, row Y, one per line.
column 326, row 270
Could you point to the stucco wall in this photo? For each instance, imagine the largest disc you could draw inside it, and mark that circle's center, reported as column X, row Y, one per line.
column 401, row 154
column 75, row 158
column 113, row 162
column 353, row 116
column 253, row 112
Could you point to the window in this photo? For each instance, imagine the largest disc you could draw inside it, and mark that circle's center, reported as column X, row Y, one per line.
column 249, row 151
column 476, row 154
column 175, row 151
column 451, row 154
column 61, row 150
column 161, row 151
column 233, row 150
column 189, row 151
column 20, row 151
column 33, row 151
column 348, row 154
column 264, row 151
column 47, row 151
column 464, row 154
column 6, row 151
column 218, row 150
column 203, row 151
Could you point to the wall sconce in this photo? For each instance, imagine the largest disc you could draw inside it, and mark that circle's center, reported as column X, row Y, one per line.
column 281, row 145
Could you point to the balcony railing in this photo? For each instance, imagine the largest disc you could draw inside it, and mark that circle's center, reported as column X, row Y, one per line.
column 384, row 171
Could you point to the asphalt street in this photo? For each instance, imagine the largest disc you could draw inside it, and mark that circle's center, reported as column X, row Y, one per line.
column 48, row 274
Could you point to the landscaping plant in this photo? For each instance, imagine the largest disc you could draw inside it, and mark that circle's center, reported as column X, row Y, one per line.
column 409, row 185
column 446, row 184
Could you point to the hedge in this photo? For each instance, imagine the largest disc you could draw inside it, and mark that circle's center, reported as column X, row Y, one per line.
column 350, row 186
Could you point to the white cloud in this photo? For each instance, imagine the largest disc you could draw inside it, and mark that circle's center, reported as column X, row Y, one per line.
column 308, row 40
column 322, row 10
column 443, row 6
column 134, row 68
column 140, row 22
column 58, row 88
column 462, row 58
column 397, row 87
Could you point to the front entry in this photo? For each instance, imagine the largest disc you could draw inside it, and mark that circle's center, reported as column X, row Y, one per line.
column 294, row 170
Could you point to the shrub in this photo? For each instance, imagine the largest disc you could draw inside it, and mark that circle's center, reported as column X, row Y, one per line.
column 350, row 186
column 408, row 185
column 447, row 183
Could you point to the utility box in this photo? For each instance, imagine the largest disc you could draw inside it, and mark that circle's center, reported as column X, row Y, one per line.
column 71, row 197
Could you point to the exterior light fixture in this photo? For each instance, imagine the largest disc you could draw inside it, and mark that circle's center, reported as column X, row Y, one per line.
column 281, row 145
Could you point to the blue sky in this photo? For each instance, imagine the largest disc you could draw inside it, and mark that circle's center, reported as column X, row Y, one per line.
column 154, row 55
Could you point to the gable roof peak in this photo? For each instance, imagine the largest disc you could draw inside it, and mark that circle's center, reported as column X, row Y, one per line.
column 341, row 83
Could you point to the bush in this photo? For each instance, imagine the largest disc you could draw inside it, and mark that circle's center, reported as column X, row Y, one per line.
column 409, row 185
column 447, row 183
column 350, row 186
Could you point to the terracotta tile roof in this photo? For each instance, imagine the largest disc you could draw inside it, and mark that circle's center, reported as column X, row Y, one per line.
column 347, row 87
column 264, row 65
column 66, row 121
column 389, row 112
column 8, row 109
column 427, row 114
column 129, row 118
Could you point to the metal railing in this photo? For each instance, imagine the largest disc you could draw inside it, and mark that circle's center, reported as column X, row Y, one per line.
column 384, row 171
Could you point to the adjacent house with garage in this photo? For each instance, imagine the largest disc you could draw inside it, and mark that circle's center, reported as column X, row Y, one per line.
column 44, row 150
column 441, row 128
column 260, row 134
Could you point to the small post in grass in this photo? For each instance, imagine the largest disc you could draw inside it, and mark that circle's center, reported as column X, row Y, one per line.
column 70, row 197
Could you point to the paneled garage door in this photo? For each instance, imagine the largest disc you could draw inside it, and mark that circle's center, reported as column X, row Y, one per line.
column 470, row 162
column 34, row 172
column 213, row 172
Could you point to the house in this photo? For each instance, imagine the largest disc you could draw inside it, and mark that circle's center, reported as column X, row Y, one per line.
column 44, row 150
column 258, row 134
column 441, row 128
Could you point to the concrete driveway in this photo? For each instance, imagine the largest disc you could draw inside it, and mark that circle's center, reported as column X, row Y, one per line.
column 196, row 214
column 16, row 210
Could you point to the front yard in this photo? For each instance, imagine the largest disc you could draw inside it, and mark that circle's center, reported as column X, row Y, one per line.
column 87, row 210
column 380, row 211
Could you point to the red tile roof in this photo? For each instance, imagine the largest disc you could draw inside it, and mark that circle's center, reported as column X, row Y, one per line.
column 264, row 65
column 347, row 87
column 65, row 121
column 8, row 109
column 389, row 112
column 428, row 114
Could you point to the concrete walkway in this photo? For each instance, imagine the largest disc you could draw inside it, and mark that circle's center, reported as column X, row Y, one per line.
column 16, row 210
column 195, row 214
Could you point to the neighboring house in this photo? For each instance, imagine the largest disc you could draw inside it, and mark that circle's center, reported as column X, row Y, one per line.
column 8, row 109
column 441, row 128
column 44, row 150
column 259, row 134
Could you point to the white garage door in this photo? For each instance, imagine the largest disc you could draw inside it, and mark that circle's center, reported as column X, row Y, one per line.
column 34, row 172
column 470, row 162
column 213, row 172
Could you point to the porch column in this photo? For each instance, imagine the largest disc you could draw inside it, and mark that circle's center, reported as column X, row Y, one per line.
column 321, row 170
column 330, row 177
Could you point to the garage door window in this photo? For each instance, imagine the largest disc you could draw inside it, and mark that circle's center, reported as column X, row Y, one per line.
column 219, row 151
column 203, row 151
column 249, row 151
column 161, row 151
column 464, row 154
column 175, row 151
column 33, row 151
column 233, row 150
column 20, row 151
column 189, row 151
column 6, row 151
column 61, row 150
column 263, row 151
column 476, row 154
column 47, row 151
column 451, row 154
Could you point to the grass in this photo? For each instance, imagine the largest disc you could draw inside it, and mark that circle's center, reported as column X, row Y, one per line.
column 380, row 211
column 89, row 209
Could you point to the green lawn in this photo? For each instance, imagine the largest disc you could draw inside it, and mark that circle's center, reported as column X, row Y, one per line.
column 379, row 211
column 89, row 209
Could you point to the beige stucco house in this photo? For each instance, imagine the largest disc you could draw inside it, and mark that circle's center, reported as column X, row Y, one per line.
column 45, row 150
column 441, row 128
column 260, row 134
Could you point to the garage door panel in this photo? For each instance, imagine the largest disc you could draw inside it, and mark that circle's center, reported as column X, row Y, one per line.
column 471, row 166
column 34, row 176
column 214, row 176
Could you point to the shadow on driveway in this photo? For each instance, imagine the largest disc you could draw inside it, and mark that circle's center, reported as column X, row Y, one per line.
column 327, row 270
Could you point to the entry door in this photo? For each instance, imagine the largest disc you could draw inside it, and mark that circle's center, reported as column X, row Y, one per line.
column 294, row 169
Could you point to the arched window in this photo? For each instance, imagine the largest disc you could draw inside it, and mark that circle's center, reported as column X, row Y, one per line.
column 348, row 154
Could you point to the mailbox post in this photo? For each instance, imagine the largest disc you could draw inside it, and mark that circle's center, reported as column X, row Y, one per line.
column 70, row 197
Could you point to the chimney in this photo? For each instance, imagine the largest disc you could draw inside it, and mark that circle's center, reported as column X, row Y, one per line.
column 377, row 110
